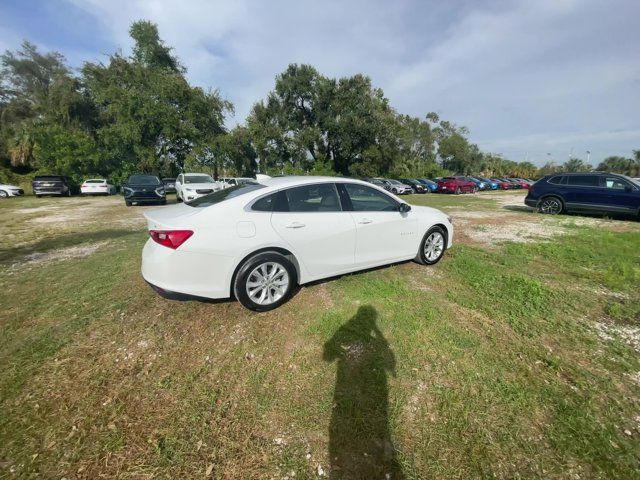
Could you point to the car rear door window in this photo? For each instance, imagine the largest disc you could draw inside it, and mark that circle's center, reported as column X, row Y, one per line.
column 367, row 199
column 583, row 180
column 321, row 197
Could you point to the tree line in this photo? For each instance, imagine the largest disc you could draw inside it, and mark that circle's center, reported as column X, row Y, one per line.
column 139, row 113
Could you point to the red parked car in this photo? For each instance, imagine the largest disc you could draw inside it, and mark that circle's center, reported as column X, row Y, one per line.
column 523, row 183
column 502, row 184
column 456, row 185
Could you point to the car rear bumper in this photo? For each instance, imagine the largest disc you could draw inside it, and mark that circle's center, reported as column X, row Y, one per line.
column 530, row 202
column 49, row 191
column 209, row 276
column 94, row 191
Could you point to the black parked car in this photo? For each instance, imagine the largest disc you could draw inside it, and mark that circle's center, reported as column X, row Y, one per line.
column 586, row 192
column 415, row 185
column 169, row 185
column 53, row 185
column 144, row 189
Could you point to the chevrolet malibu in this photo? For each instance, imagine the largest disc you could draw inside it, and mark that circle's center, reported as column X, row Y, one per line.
column 258, row 241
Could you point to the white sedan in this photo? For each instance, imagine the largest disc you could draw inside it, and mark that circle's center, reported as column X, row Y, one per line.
column 258, row 241
column 10, row 191
column 97, row 186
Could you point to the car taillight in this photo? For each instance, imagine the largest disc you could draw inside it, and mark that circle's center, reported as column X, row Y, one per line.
column 170, row 238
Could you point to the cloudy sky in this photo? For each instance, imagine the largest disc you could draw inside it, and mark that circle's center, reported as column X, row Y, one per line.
column 536, row 79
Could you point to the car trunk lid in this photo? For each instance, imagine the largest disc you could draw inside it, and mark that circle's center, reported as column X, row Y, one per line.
column 169, row 217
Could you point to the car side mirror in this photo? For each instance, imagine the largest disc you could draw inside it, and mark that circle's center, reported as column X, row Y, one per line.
column 404, row 208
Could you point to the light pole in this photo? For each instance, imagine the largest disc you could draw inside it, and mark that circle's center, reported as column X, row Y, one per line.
column 588, row 156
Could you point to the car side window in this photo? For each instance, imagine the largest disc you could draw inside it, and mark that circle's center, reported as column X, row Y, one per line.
column 555, row 180
column 583, row 180
column 615, row 183
column 321, row 197
column 265, row 204
column 367, row 199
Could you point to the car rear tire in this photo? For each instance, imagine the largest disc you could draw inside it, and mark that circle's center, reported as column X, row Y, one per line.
column 265, row 281
column 551, row 205
column 432, row 247
column 3, row 194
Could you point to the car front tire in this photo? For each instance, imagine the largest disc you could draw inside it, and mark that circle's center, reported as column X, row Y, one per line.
column 432, row 247
column 265, row 281
column 3, row 194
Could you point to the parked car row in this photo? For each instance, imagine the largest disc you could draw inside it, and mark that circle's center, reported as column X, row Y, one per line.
column 455, row 184
column 141, row 188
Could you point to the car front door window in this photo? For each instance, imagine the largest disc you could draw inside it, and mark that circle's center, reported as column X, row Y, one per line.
column 367, row 199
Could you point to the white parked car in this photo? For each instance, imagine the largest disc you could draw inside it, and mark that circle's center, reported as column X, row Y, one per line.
column 10, row 191
column 190, row 186
column 257, row 241
column 233, row 181
column 97, row 186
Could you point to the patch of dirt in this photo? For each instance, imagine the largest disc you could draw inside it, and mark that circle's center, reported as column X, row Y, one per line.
column 626, row 333
column 61, row 254
column 491, row 228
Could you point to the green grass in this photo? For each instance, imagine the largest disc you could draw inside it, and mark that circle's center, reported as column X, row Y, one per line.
column 486, row 365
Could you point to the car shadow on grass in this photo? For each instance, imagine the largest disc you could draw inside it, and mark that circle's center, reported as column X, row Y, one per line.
column 601, row 216
column 360, row 443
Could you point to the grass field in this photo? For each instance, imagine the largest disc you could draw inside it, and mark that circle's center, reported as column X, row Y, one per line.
column 517, row 356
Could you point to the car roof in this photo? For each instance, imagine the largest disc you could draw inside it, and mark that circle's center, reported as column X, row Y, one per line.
column 295, row 180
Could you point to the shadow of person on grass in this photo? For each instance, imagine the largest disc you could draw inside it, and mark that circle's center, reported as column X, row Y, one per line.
column 359, row 439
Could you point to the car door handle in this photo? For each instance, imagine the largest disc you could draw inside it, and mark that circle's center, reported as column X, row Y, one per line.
column 364, row 221
column 295, row 225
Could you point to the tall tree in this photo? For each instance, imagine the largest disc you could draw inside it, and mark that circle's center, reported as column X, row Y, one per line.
column 576, row 165
column 151, row 119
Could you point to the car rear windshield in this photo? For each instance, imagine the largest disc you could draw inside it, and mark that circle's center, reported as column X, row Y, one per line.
column 144, row 180
column 95, row 180
column 197, row 179
column 47, row 178
column 226, row 194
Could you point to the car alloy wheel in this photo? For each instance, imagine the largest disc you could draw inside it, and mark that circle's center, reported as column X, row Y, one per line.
column 551, row 206
column 432, row 247
column 265, row 281
column 3, row 194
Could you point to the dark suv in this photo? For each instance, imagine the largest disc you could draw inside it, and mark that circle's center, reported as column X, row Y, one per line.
column 144, row 189
column 53, row 185
column 585, row 192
